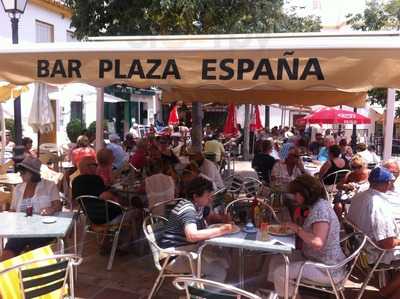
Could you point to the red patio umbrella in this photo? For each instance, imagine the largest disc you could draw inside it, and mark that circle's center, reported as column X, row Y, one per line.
column 255, row 124
column 173, row 118
column 334, row 116
column 230, row 127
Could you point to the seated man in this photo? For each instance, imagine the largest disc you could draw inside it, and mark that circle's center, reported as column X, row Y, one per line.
column 263, row 162
column 89, row 183
column 186, row 227
column 207, row 168
column 371, row 213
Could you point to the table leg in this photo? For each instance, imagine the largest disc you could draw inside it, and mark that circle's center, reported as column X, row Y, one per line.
column 286, row 276
column 199, row 254
column 241, row 268
column 60, row 242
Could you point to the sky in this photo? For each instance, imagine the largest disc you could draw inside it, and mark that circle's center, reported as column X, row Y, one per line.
column 332, row 12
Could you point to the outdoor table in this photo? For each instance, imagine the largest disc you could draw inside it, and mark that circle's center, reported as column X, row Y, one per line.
column 283, row 245
column 17, row 225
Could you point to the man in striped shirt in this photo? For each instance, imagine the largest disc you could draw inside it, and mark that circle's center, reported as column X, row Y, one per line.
column 186, row 228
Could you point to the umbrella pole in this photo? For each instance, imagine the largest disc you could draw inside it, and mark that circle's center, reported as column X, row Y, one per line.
column 38, row 144
column 3, row 133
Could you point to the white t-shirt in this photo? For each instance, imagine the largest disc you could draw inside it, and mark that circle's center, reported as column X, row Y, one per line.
column 371, row 212
column 45, row 192
column 210, row 170
column 369, row 157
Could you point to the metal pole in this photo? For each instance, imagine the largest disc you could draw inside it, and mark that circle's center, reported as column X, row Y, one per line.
column 354, row 135
column 17, row 100
column 99, row 119
column 81, row 111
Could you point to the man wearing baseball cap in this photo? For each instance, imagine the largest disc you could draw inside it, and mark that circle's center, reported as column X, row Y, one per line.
column 373, row 215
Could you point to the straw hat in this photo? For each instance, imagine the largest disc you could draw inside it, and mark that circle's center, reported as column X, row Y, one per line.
column 32, row 164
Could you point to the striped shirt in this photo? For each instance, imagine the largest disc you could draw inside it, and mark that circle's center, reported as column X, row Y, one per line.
column 182, row 214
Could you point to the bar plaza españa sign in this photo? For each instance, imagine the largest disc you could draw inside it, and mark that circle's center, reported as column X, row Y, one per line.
column 224, row 69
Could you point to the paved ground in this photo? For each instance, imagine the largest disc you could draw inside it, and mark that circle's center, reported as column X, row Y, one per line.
column 133, row 275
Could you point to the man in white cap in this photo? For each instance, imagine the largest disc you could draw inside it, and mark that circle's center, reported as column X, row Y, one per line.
column 120, row 156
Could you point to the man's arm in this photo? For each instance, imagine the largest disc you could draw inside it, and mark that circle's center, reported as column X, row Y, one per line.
column 194, row 235
column 389, row 243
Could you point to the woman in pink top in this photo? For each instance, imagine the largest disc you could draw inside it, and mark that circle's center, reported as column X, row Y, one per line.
column 105, row 159
column 82, row 149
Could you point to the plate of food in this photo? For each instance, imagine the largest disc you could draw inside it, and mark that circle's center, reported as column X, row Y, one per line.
column 279, row 230
column 235, row 230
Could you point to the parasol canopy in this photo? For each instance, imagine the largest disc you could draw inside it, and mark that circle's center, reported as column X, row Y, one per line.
column 334, row 116
column 173, row 118
column 255, row 124
column 230, row 127
column 41, row 116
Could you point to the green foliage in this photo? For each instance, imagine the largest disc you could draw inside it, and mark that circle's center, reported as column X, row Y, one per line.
column 10, row 126
column 74, row 129
column 111, row 17
column 91, row 130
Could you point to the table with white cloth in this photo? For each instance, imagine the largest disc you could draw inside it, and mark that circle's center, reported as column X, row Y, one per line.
column 283, row 245
column 18, row 225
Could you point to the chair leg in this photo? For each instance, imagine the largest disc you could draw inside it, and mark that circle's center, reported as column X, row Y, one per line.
column 381, row 279
column 157, row 284
column 342, row 294
column 113, row 250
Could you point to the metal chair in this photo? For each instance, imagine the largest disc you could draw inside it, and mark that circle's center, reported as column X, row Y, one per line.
column 208, row 289
column 234, row 185
column 154, row 210
column 376, row 266
column 251, row 186
column 38, row 278
column 335, row 288
column 331, row 190
column 98, row 220
column 153, row 228
column 246, row 200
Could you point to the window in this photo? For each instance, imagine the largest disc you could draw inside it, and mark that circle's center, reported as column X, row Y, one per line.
column 44, row 32
column 71, row 37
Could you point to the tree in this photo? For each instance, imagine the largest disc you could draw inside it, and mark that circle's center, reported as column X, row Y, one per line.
column 144, row 17
column 378, row 15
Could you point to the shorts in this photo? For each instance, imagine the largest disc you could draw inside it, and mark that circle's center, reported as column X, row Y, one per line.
column 19, row 245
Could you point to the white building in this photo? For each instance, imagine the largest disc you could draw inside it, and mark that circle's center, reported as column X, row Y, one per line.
column 42, row 21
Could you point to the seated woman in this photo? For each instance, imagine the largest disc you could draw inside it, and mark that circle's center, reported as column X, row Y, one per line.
column 355, row 181
column 82, row 149
column 27, row 143
column 186, row 228
column 263, row 162
column 319, row 234
column 287, row 169
column 159, row 187
column 34, row 191
column 334, row 164
column 105, row 159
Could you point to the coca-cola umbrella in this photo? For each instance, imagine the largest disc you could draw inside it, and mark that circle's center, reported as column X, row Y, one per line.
column 255, row 124
column 230, row 127
column 173, row 118
column 334, row 116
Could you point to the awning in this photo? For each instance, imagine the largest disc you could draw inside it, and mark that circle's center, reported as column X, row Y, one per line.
column 272, row 68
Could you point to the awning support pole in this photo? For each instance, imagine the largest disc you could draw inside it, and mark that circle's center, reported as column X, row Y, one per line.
column 100, row 119
column 388, row 131
column 3, row 133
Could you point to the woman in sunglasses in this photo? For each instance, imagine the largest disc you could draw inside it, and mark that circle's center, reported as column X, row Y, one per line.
column 34, row 195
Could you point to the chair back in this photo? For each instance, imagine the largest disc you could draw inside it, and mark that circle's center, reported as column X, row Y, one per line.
column 97, row 210
column 208, row 289
column 37, row 280
column 251, row 186
column 164, row 207
column 356, row 243
column 337, row 175
column 153, row 227
column 234, row 184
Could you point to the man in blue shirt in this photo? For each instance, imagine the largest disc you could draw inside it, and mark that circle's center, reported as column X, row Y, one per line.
column 120, row 156
column 323, row 152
